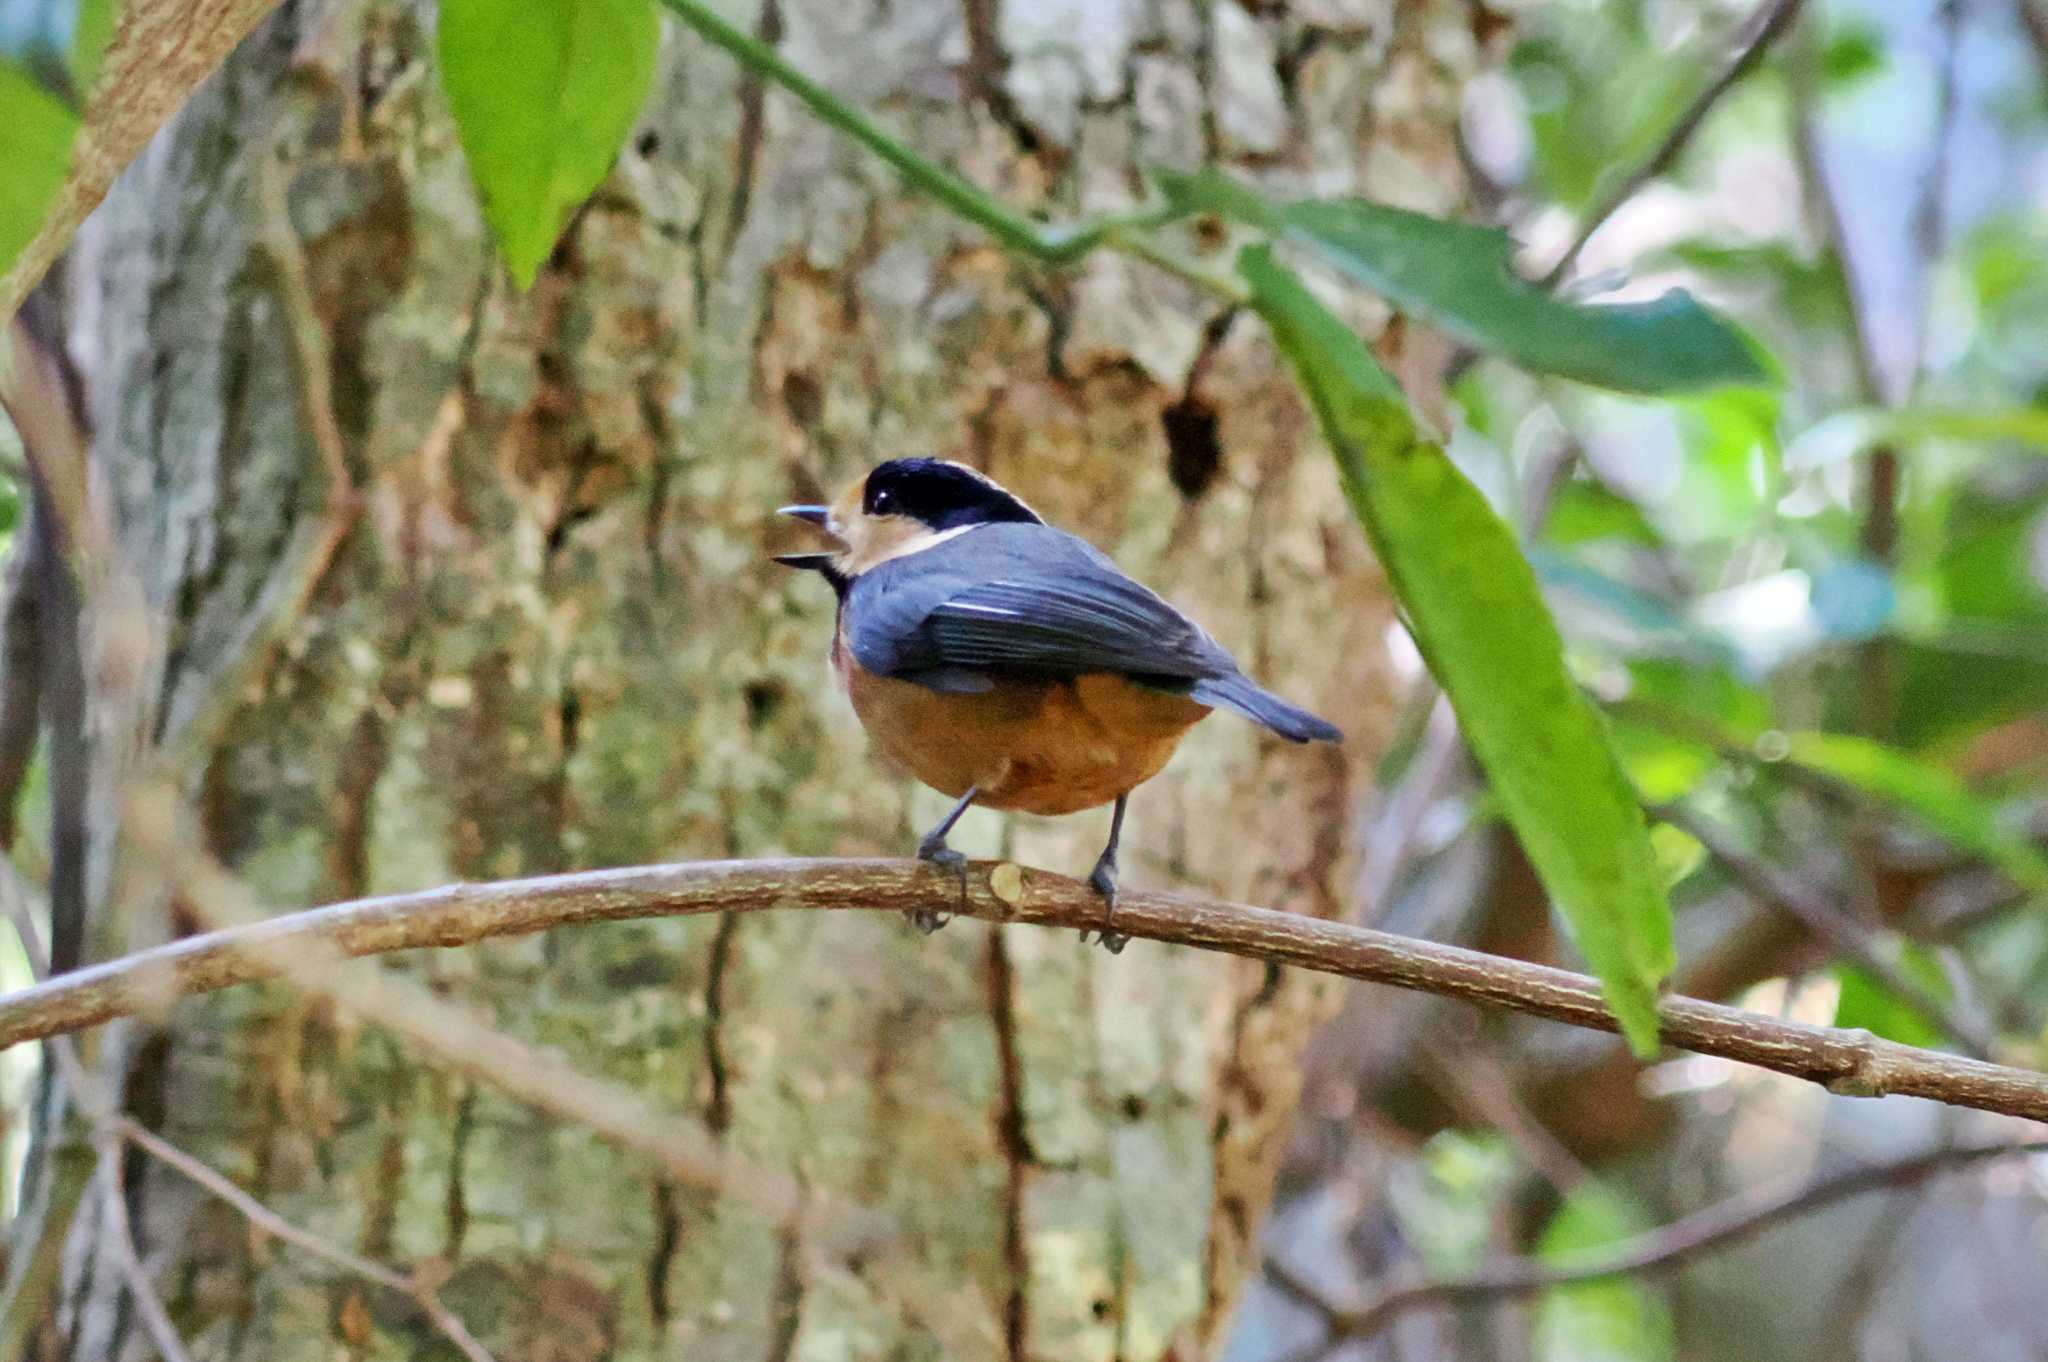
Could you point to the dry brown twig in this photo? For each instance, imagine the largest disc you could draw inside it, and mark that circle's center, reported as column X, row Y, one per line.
column 1704, row 1231
column 1849, row 1062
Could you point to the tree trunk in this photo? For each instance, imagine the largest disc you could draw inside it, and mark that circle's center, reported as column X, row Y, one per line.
column 537, row 630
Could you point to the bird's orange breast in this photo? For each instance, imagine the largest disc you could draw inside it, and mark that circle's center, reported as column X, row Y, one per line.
column 1046, row 747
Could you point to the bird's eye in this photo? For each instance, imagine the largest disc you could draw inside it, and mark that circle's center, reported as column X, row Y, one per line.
column 882, row 502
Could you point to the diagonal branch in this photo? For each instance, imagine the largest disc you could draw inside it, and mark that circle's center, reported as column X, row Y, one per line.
column 160, row 52
column 1764, row 27
column 1876, row 949
column 1850, row 1062
column 277, row 1227
column 1704, row 1231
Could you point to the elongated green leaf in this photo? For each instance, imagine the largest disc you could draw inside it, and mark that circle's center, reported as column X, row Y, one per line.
column 1929, row 793
column 35, row 149
column 1478, row 617
column 1461, row 279
column 544, row 93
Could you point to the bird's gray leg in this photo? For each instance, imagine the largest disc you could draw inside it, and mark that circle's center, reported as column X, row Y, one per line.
column 934, row 849
column 1103, row 878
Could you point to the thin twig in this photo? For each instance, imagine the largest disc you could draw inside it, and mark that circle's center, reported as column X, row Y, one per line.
column 1850, row 1062
column 1769, row 21
column 1704, row 1231
column 277, row 1227
column 121, row 1235
column 1875, row 950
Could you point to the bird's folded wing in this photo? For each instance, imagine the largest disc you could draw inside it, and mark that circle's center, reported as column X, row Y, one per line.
column 1064, row 614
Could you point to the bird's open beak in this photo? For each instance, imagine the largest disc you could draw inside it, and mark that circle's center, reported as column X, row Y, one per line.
column 814, row 515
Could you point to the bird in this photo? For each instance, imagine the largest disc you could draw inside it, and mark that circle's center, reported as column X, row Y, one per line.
column 1010, row 664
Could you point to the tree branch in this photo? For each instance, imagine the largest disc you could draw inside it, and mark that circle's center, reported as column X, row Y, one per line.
column 160, row 52
column 1703, row 1231
column 1849, row 1062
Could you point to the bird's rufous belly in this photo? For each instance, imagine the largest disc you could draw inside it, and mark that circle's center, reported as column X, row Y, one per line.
column 1046, row 747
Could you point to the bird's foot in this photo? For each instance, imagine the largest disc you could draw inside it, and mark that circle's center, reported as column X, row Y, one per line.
column 1103, row 881
column 935, row 850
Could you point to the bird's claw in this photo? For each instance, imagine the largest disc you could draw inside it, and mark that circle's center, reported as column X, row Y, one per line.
column 935, row 850
column 1103, row 881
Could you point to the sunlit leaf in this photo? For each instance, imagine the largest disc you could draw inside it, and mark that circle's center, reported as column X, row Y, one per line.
column 1932, row 795
column 544, row 93
column 36, row 129
column 1461, row 279
column 1476, row 614
column 1608, row 1319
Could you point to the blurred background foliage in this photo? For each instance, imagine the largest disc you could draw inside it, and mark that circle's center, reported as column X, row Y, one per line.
column 1864, row 551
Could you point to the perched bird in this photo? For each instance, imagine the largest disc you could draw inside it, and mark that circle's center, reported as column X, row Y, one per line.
column 1010, row 664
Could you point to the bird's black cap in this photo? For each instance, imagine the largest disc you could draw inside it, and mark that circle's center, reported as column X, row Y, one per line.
column 943, row 495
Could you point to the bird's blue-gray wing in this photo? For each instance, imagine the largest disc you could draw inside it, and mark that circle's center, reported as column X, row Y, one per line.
column 1020, row 600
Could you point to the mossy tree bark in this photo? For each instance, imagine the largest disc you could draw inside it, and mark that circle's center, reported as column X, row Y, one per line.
column 538, row 631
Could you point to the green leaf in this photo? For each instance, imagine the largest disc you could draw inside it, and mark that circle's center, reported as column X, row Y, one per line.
column 544, row 93
column 1609, row 1319
column 1461, row 279
column 1983, row 659
column 1932, row 795
column 35, row 146
column 1867, row 1003
column 1585, row 512
column 1853, row 52
column 1478, row 617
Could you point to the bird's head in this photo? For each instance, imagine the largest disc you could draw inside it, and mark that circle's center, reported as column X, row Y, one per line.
column 900, row 507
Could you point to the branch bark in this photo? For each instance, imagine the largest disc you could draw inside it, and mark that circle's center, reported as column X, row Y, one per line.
column 160, row 52
column 1853, row 1063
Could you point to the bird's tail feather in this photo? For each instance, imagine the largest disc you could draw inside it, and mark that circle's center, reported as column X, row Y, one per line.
column 1240, row 696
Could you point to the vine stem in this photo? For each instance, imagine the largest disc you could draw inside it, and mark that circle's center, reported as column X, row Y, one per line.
column 1041, row 241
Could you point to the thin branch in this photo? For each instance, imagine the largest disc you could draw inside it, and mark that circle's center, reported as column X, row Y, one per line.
column 160, row 52
column 1770, row 20
column 1849, row 1062
column 1875, row 950
column 277, row 1227
column 1704, row 1231
column 121, row 1235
